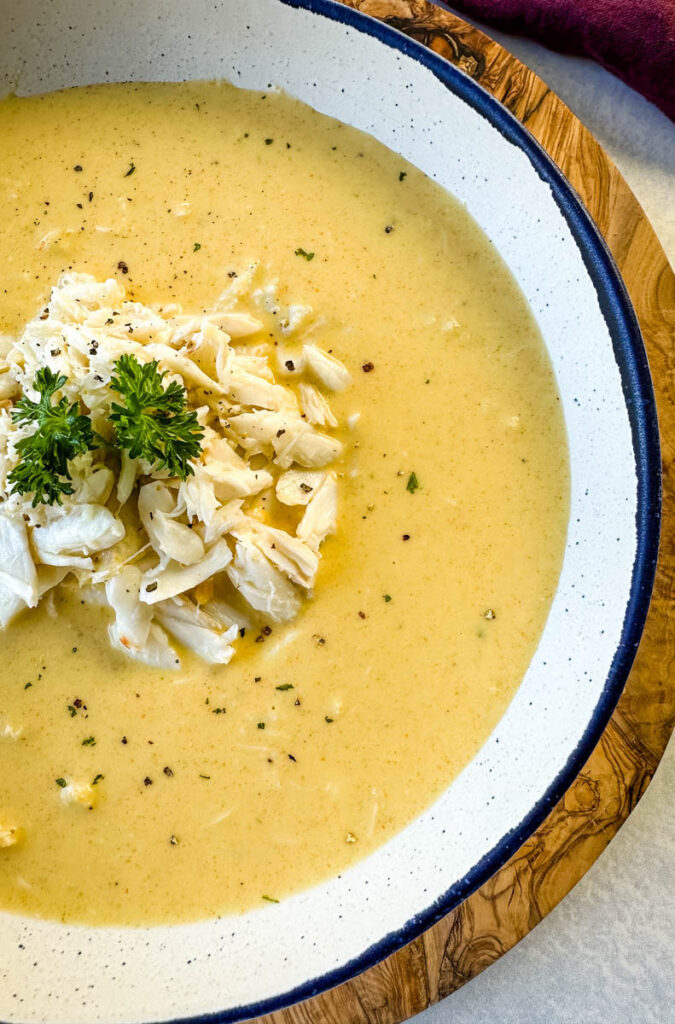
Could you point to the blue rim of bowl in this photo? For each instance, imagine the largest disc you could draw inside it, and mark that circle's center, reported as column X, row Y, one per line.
column 638, row 393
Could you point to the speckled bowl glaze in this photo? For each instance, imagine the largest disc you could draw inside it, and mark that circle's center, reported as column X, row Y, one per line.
column 372, row 77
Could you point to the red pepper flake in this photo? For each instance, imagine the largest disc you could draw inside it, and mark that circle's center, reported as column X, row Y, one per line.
column 368, row 367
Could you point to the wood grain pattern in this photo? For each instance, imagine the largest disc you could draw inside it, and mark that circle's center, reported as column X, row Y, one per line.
column 618, row 772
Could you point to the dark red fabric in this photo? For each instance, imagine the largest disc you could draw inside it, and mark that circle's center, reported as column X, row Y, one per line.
column 633, row 38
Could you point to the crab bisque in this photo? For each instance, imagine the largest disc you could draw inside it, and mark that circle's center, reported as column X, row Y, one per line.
column 223, row 685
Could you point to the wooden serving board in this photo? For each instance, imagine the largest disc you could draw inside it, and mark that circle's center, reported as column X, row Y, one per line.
column 618, row 772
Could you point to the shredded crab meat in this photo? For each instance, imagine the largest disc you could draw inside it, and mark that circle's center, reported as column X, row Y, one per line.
column 9, row 835
column 79, row 793
column 8, row 732
column 191, row 562
column 296, row 487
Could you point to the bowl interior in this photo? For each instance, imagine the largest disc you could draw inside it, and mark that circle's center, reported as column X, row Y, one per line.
column 370, row 77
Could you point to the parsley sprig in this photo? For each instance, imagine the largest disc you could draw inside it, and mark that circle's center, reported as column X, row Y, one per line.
column 61, row 433
column 154, row 423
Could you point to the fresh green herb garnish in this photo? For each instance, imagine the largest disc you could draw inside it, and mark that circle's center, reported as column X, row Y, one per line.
column 89, row 742
column 284, row 686
column 61, row 783
column 305, row 255
column 413, row 483
column 62, row 432
column 154, row 423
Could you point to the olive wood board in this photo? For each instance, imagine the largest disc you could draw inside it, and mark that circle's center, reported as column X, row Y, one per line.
column 498, row 914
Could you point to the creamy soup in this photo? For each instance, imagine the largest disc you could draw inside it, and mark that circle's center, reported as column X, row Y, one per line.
column 334, row 731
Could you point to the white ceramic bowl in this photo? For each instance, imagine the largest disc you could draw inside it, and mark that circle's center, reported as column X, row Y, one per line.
column 372, row 77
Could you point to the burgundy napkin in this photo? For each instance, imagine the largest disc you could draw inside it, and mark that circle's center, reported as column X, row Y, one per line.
column 633, row 38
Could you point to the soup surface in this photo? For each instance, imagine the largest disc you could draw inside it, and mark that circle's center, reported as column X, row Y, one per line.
column 345, row 724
